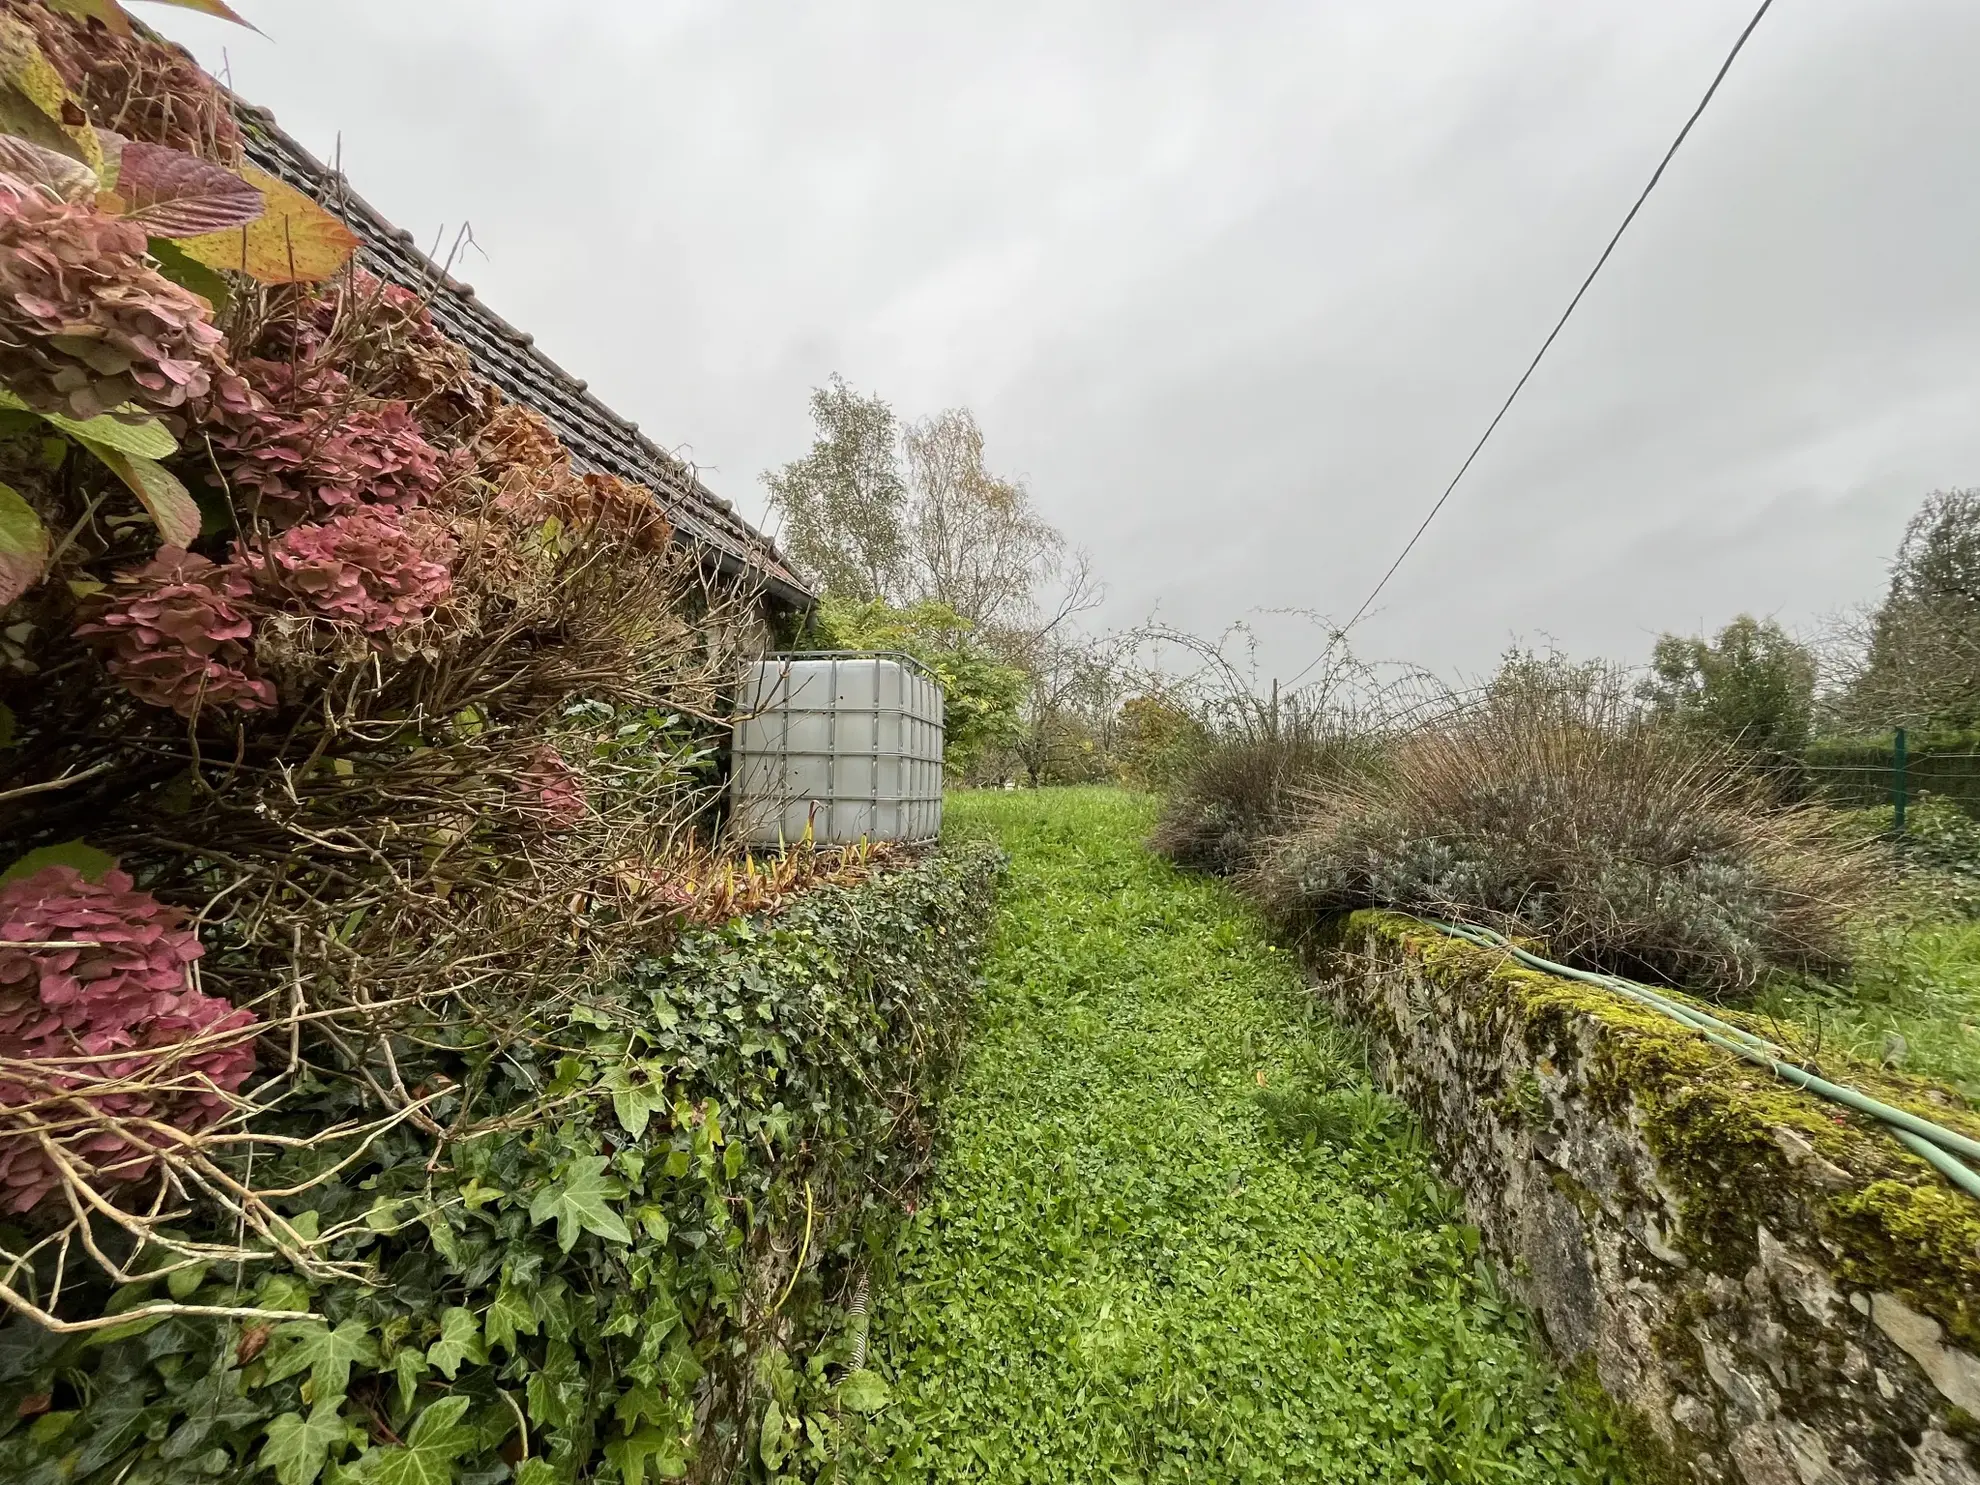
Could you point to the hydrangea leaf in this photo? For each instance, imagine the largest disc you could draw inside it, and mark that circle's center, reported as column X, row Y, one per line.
column 205, row 7
column 298, row 1447
column 115, row 19
column 581, row 1202
column 127, row 430
column 36, row 104
column 173, row 194
column 294, row 241
column 172, row 508
column 87, row 860
column 191, row 274
column 38, row 165
column 24, row 546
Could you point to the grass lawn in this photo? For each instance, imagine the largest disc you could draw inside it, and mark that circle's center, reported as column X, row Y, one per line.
column 1173, row 1234
column 1913, row 999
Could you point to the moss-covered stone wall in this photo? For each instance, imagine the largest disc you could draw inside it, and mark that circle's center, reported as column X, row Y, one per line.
column 1778, row 1290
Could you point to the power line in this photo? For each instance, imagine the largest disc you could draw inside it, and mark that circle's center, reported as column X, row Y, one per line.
column 1559, row 325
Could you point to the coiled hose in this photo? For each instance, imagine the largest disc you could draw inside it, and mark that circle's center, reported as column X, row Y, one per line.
column 1938, row 1146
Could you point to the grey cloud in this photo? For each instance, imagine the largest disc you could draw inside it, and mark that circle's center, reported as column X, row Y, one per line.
column 1236, row 287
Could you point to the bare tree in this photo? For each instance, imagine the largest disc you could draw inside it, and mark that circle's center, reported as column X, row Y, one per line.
column 973, row 540
column 844, row 505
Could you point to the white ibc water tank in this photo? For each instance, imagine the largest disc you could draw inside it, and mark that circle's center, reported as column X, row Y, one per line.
column 851, row 743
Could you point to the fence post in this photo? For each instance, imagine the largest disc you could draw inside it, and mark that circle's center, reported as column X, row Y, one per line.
column 1899, row 783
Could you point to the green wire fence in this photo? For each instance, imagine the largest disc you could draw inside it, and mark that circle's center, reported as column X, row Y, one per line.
column 1946, row 1150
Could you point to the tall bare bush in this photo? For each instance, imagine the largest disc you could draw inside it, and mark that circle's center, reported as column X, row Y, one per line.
column 1549, row 805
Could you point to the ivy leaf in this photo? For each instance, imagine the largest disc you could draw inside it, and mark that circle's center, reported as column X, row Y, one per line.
column 24, row 546
column 408, row 1367
column 580, row 1202
column 294, row 241
column 326, row 1354
column 298, row 1447
column 427, row 1457
column 173, row 194
column 170, row 504
column 634, row 1103
column 865, row 1392
column 460, row 1340
column 91, row 862
column 509, row 1316
column 650, row 1446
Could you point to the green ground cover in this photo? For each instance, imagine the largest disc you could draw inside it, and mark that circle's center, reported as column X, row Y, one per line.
column 1174, row 1235
column 1913, row 996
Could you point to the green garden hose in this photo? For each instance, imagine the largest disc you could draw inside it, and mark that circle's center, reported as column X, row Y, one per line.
column 1934, row 1143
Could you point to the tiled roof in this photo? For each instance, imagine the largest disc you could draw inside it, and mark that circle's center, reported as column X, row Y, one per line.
column 598, row 438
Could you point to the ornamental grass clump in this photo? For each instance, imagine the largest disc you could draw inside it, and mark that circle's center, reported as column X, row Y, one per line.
column 1550, row 807
column 1242, row 793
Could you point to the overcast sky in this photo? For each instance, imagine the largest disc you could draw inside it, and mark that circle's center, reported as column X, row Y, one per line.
column 1235, row 287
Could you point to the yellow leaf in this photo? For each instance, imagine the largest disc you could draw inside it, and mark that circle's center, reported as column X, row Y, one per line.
column 169, row 503
column 295, row 242
column 36, row 104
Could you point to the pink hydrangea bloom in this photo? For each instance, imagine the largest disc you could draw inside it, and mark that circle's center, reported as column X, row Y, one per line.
column 556, row 792
column 367, row 567
column 294, row 440
column 86, row 324
column 174, row 634
column 116, row 1010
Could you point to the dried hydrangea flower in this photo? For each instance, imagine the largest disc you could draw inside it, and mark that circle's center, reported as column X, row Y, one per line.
column 109, row 1021
column 174, row 634
column 367, row 567
column 294, row 441
column 86, row 324
column 556, row 792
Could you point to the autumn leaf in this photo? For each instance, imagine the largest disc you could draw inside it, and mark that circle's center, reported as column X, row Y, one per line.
column 170, row 504
column 23, row 546
column 173, row 194
column 294, row 241
column 116, row 19
column 38, row 165
column 36, row 104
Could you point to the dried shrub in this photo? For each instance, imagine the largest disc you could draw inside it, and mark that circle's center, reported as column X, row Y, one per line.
column 86, row 324
column 1559, row 811
column 176, row 633
column 1243, row 792
column 104, row 1034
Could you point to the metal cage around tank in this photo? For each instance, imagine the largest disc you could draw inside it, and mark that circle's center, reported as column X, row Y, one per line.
column 845, row 743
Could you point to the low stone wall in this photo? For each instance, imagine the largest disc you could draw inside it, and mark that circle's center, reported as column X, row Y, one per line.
column 1778, row 1291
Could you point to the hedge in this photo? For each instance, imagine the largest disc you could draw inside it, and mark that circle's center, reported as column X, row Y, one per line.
column 647, row 1271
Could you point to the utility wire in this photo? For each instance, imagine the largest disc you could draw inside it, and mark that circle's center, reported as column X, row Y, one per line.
column 1554, row 334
